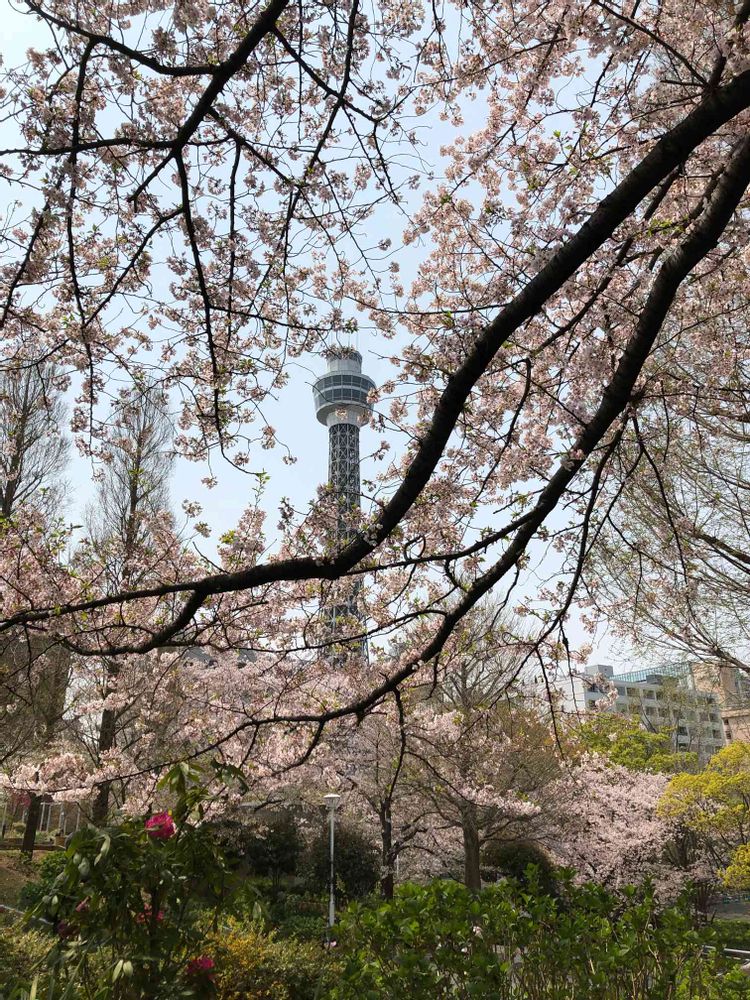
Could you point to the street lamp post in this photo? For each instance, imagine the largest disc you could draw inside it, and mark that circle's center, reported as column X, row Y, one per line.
column 331, row 800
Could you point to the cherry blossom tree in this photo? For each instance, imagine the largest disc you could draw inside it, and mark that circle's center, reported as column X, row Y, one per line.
column 483, row 775
column 34, row 672
column 615, row 835
column 372, row 769
column 130, row 531
column 210, row 194
column 676, row 564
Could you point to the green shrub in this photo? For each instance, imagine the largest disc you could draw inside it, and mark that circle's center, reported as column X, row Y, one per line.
column 441, row 942
column 250, row 900
column 276, row 851
column 251, row 965
column 357, row 863
column 733, row 933
column 46, row 871
column 303, row 927
column 128, row 910
column 297, row 904
column 21, row 952
column 512, row 860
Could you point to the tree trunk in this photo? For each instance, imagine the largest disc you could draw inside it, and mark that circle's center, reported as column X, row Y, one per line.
column 100, row 808
column 386, row 835
column 32, row 822
column 472, row 874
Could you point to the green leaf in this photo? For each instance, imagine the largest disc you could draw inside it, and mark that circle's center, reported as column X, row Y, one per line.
column 104, row 849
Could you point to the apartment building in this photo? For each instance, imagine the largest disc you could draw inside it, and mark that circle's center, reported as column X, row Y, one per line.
column 664, row 697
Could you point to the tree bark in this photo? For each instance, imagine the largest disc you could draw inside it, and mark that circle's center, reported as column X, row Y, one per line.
column 100, row 808
column 32, row 822
column 472, row 874
column 387, row 880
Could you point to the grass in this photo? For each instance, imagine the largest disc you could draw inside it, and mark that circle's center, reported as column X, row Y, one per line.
column 14, row 874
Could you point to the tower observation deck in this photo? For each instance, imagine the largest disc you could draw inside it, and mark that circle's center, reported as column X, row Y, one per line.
column 341, row 405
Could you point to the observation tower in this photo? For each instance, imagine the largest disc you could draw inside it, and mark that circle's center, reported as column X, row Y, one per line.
column 341, row 405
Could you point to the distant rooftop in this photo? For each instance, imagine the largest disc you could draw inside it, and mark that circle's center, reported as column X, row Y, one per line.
column 652, row 673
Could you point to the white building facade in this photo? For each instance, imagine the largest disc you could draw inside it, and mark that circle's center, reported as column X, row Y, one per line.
column 664, row 697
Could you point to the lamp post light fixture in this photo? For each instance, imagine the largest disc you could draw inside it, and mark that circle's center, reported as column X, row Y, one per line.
column 331, row 800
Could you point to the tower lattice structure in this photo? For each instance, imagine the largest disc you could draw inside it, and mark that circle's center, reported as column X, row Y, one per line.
column 342, row 405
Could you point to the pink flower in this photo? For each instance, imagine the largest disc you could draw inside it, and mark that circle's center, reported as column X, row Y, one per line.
column 200, row 966
column 141, row 918
column 83, row 906
column 161, row 826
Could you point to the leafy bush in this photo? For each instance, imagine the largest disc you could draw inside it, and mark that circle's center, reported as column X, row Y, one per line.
column 250, row 900
column 303, row 927
column 357, row 863
column 251, row 965
column 293, row 911
column 275, row 851
column 127, row 910
column 512, row 860
column 507, row 941
column 733, row 933
column 21, row 951
column 297, row 904
column 46, row 871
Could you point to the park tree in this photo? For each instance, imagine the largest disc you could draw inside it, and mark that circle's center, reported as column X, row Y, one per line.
column 482, row 776
column 35, row 448
column 674, row 557
column 413, row 760
column 130, row 532
column 482, row 752
column 627, row 742
column 611, row 830
column 133, row 487
column 715, row 805
column 555, row 266
column 372, row 763
column 488, row 748
column 34, row 671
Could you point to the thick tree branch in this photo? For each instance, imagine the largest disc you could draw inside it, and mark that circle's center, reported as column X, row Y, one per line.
column 672, row 149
